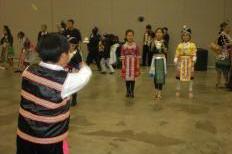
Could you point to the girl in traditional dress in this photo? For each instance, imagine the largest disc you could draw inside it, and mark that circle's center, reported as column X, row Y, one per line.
column 184, row 60
column 130, row 62
column 223, row 59
column 27, row 49
column 7, row 46
column 158, row 68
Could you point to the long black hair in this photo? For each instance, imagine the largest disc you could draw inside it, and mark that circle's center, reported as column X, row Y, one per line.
column 8, row 34
column 223, row 26
column 127, row 32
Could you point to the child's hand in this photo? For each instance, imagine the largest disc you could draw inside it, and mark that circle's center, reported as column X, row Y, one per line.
column 194, row 59
column 175, row 61
column 137, row 73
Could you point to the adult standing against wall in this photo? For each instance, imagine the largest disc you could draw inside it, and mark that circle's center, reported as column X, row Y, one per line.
column 43, row 31
column 71, row 31
column 147, row 39
column 166, row 39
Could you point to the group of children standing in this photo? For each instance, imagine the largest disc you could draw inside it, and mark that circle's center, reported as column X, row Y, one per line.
column 6, row 42
column 185, row 58
column 156, row 47
column 26, row 50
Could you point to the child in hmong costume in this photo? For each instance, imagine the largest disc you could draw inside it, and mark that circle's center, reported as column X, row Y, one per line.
column 26, row 52
column 44, row 112
column 185, row 59
column 130, row 62
column 223, row 59
column 7, row 47
column 74, row 63
column 158, row 68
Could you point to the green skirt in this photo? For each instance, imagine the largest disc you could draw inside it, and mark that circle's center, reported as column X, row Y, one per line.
column 10, row 53
column 223, row 65
column 159, row 71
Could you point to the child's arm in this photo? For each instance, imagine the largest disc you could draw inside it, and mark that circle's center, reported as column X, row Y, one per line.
column 138, row 56
column 194, row 52
column 122, row 57
column 76, row 81
column 178, row 50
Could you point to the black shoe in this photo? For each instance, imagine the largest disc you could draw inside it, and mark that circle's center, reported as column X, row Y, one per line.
column 127, row 95
column 18, row 71
column 132, row 95
column 74, row 102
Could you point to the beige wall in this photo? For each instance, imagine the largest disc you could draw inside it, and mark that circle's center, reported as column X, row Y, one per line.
column 203, row 16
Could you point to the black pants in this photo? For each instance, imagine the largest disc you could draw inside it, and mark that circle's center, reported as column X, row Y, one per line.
column 158, row 86
column 74, row 100
column 93, row 56
column 130, row 86
column 146, row 50
column 25, row 147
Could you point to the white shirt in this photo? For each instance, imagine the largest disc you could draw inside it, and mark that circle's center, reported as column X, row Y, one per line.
column 74, row 82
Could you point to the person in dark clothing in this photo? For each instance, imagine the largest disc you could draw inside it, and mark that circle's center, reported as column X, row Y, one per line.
column 223, row 62
column 107, row 42
column 71, row 31
column 7, row 46
column 166, row 37
column 44, row 113
column 92, row 46
column 74, row 63
column 43, row 32
column 61, row 28
column 147, row 39
column 74, row 55
column 158, row 66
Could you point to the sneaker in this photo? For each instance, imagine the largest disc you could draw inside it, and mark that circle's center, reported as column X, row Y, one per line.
column 127, row 95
